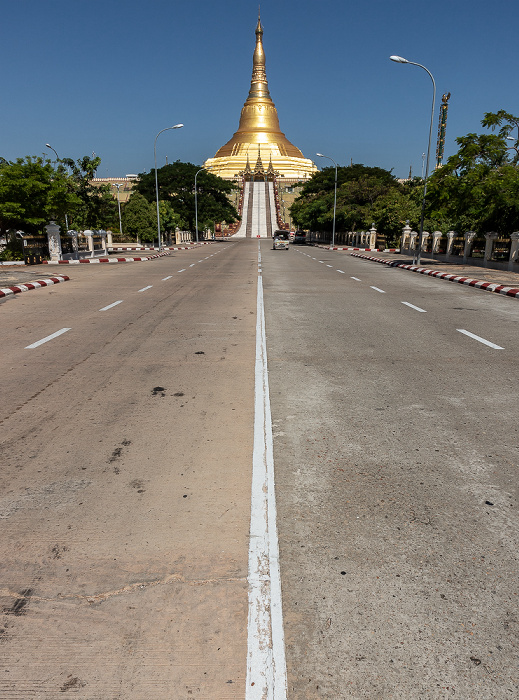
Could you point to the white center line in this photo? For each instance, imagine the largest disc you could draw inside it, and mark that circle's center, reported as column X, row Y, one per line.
column 479, row 339
column 266, row 665
column 192, row 264
column 416, row 308
column 356, row 279
column 46, row 340
column 341, row 271
column 111, row 306
column 183, row 270
column 145, row 288
column 329, row 266
column 200, row 261
column 322, row 262
column 378, row 290
column 167, row 278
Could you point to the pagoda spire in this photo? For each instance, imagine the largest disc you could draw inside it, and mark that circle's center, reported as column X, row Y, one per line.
column 259, row 85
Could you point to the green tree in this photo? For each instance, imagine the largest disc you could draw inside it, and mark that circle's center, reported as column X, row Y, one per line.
column 477, row 189
column 31, row 193
column 169, row 219
column 177, row 187
column 95, row 208
column 359, row 189
column 139, row 218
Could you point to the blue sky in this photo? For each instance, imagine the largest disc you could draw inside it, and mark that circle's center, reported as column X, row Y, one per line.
column 106, row 77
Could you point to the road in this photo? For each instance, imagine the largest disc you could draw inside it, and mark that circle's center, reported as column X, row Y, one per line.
column 127, row 459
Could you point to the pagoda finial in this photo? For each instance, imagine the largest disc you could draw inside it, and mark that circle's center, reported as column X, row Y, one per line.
column 259, row 85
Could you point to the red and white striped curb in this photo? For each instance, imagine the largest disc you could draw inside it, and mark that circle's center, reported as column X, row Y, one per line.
column 7, row 291
column 102, row 260
column 489, row 286
column 367, row 250
column 189, row 246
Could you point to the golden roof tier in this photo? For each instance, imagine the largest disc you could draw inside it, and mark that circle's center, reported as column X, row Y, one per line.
column 259, row 134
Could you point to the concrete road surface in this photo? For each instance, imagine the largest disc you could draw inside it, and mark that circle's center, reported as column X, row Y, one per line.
column 128, row 435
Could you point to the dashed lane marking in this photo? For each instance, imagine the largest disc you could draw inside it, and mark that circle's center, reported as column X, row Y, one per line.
column 416, row 308
column 46, row 340
column 378, row 290
column 111, row 306
column 145, row 288
column 480, row 339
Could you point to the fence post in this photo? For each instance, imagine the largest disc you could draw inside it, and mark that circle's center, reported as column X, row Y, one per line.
column 90, row 238
column 436, row 241
column 514, row 250
column 490, row 238
column 75, row 245
column 406, row 234
column 469, row 240
column 373, row 236
column 451, row 235
column 53, row 237
column 102, row 233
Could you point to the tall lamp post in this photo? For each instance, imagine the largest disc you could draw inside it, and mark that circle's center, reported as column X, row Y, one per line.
column 177, row 126
column 417, row 252
column 60, row 161
column 334, row 195
column 196, row 204
column 119, row 185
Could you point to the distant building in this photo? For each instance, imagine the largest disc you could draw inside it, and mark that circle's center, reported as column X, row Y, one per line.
column 125, row 191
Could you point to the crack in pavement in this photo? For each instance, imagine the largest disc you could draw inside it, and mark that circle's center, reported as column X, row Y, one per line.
column 100, row 597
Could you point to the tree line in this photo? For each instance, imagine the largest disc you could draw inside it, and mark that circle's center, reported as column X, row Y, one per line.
column 476, row 190
column 36, row 190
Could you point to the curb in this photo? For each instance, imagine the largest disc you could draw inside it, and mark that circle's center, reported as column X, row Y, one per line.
column 489, row 286
column 191, row 246
column 367, row 250
column 7, row 291
column 101, row 260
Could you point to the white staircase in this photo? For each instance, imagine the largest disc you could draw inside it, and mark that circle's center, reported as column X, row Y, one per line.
column 259, row 211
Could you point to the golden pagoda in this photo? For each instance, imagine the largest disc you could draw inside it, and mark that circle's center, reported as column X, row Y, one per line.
column 259, row 135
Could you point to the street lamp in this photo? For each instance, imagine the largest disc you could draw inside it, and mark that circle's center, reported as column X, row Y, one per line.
column 334, row 195
column 119, row 185
column 417, row 252
column 177, row 126
column 59, row 160
column 196, row 204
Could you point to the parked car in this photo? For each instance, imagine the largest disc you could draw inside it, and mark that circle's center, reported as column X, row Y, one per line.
column 300, row 238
